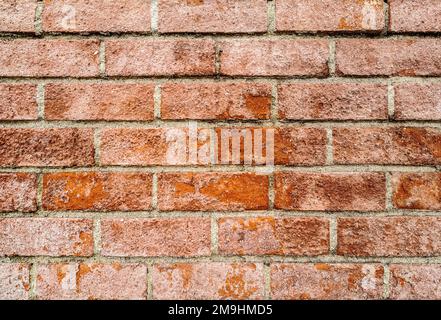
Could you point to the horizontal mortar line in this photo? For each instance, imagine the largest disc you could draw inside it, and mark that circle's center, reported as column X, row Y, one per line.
column 229, row 168
column 159, row 80
column 207, row 124
column 153, row 214
column 272, row 259
column 219, row 36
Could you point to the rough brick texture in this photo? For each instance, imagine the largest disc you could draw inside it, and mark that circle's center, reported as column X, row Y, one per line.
column 96, row 16
column 220, row 149
column 232, row 281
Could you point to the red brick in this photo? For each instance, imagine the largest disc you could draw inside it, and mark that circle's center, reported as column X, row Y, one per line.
column 177, row 237
column 14, row 281
column 417, row 146
column 388, row 57
column 330, row 191
column 213, row 280
column 414, row 101
column 415, row 16
column 415, row 281
column 218, row 16
column 212, row 191
column 417, row 190
column 99, row 101
column 135, row 57
column 324, row 281
column 273, row 236
column 17, row 16
column 304, row 57
column 96, row 16
column 329, row 15
column 18, row 192
column 18, row 102
column 93, row 281
column 49, row 58
column 46, row 147
column 389, row 236
column 97, row 191
column 45, row 237
column 220, row 101
column 332, row 101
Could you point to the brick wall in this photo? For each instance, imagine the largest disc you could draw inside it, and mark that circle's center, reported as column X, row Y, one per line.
column 94, row 204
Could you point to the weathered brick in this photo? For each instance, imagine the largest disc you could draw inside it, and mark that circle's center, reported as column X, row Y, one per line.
column 14, row 281
column 46, row 147
column 178, row 237
column 397, row 145
column 45, row 237
column 330, row 191
column 92, row 281
column 135, row 57
column 99, row 101
column 415, row 101
column 212, row 191
column 245, row 16
column 49, row 58
column 417, row 190
column 201, row 281
column 96, row 16
column 415, row 281
column 273, row 236
column 324, row 281
column 332, row 101
column 18, row 102
column 415, row 16
column 97, row 191
column 389, row 236
column 301, row 57
column 329, row 15
column 220, row 101
column 18, row 192
column 388, row 57
column 17, row 16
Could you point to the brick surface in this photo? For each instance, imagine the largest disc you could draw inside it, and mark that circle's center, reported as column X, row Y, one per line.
column 46, row 147
column 176, row 16
column 326, row 281
column 329, row 15
column 330, row 191
column 45, row 237
column 412, row 16
column 417, row 191
column 177, row 237
column 388, row 57
column 49, row 58
column 332, row 101
column 407, row 145
column 216, row 101
column 17, row 16
column 97, row 191
column 18, row 102
column 14, row 281
column 104, row 101
column 133, row 57
column 274, row 57
column 92, row 281
column 18, row 192
column 273, row 236
column 389, row 236
column 226, row 281
column 415, row 281
column 417, row 101
column 212, row 191
column 96, row 16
